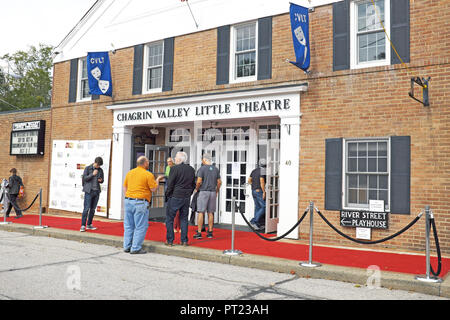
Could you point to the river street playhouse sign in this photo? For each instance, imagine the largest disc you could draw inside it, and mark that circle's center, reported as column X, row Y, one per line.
column 364, row 219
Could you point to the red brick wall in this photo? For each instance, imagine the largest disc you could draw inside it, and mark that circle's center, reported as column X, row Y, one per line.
column 369, row 102
column 34, row 170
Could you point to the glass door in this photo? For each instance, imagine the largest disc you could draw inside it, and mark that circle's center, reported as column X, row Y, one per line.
column 234, row 173
column 157, row 156
column 269, row 149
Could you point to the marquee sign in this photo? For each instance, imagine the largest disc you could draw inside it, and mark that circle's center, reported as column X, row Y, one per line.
column 28, row 138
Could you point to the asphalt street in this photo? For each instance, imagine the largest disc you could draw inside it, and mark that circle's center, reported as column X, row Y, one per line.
column 33, row 268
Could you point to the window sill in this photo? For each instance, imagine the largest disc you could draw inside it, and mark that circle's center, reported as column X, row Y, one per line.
column 152, row 91
column 370, row 65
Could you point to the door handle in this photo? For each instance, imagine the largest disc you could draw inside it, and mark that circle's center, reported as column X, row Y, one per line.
column 245, row 190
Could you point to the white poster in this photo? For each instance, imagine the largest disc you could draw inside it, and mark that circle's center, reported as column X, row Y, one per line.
column 69, row 158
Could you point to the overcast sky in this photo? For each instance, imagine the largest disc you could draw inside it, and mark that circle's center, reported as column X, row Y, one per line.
column 30, row 22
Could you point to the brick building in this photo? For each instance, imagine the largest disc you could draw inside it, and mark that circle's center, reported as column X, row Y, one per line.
column 342, row 135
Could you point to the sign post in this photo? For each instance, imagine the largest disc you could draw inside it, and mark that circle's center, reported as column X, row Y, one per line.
column 309, row 263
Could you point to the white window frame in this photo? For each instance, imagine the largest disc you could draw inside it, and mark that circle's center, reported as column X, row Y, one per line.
column 354, row 64
column 80, row 97
column 145, row 89
column 233, row 37
column 363, row 207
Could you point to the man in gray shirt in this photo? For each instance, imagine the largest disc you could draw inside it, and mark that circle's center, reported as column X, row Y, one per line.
column 208, row 184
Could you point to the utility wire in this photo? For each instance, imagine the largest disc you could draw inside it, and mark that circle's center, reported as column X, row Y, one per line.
column 9, row 104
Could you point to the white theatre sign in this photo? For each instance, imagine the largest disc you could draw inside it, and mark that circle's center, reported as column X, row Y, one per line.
column 183, row 110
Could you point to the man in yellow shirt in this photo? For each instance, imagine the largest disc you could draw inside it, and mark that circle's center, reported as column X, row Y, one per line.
column 138, row 187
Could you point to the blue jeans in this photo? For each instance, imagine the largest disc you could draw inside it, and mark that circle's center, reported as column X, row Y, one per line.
column 173, row 205
column 260, row 208
column 135, row 224
column 90, row 204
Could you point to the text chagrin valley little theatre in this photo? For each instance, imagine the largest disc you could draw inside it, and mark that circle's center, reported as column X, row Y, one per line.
column 217, row 109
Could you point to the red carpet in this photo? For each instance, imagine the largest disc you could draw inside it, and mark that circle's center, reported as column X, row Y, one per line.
column 249, row 243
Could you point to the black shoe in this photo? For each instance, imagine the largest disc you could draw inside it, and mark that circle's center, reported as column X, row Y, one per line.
column 126, row 250
column 141, row 251
column 209, row 234
column 198, row 235
column 19, row 216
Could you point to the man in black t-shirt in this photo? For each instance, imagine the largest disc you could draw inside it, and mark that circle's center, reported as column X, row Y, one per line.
column 258, row 181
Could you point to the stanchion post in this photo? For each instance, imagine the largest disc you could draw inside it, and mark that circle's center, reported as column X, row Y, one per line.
column 4, row 209
column 309, row 263
column 233, row 252
column 427, row 277
column 40, row 226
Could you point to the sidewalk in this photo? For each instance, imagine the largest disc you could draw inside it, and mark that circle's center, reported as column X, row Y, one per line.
column 398, row 270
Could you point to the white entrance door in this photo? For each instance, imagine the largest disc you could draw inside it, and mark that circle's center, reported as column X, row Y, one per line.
column 273, row 185
column 234, row 175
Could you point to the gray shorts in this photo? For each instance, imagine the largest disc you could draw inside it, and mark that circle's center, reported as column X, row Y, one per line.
column 206, row 201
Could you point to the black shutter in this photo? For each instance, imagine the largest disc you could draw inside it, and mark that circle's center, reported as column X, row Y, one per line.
column 341, row 35
column 168, row 64
column 265, row 48
column 73, row 82
column 333, row 174
column 400, row 174
column 223, row 55
column 400, row 30
column 138, row 69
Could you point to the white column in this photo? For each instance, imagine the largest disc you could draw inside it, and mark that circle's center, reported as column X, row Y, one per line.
column 289, row 175
column 121, row 163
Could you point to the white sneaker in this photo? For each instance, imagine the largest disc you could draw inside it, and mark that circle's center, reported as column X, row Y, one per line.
column 83, row 229
column 91, row 227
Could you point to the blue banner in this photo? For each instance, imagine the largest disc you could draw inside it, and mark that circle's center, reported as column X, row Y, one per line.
column 300, row 34
column 99, row 73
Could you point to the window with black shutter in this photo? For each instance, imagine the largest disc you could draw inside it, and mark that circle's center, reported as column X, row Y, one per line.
column 360, row 170
column 365, row 33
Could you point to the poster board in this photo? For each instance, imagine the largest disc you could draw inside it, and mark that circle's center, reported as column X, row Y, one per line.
column 69, row 158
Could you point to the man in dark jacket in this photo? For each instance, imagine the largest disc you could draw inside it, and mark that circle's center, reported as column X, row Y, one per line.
column 92, row 178
column 180, row 186
column 15, row 182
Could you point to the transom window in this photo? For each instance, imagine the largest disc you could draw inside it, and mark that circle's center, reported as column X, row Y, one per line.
column 224, row 134
column 83, row 91
column 154, row 66
column 244, row 44
column 369, row 42
column 366, row 173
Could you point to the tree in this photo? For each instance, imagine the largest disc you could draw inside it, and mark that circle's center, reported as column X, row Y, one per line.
column 29, row 83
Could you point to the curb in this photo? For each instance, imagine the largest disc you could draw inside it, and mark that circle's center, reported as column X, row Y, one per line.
column 358, row 276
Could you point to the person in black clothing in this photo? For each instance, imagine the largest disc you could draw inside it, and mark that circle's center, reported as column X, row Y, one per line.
column 92, row 178
column 258, row 181
column 15, row 182
column 180, row 186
